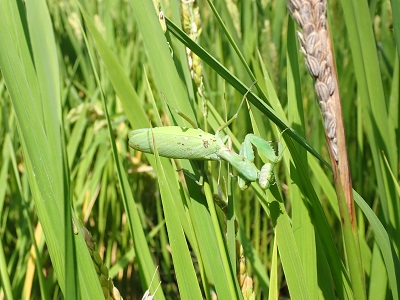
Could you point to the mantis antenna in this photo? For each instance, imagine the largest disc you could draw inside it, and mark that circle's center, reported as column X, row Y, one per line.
column 223, row 126
column 189, row 120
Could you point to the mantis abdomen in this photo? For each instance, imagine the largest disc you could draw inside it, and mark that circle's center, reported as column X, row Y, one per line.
column 177, row 142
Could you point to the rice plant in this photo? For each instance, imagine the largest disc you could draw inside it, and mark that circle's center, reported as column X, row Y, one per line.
column 84, row 216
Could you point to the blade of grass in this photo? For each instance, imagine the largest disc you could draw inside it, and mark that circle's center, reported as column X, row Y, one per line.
column 141, row 248
column 396, row 23
column 305, row 232
column 287, row 247
column 379, row 131
column 36, row 249
column 385, row 245
column 5, row 278
column 161, row 63
column 185, row 273
column 47, row 190
column 46, row 66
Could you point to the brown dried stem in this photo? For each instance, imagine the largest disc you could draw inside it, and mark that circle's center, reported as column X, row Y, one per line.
column 315, row 43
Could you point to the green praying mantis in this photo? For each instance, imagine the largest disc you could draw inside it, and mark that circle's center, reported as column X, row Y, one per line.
column 189, row 143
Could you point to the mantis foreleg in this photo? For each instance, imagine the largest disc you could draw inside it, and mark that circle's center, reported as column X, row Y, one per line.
column 266, row 174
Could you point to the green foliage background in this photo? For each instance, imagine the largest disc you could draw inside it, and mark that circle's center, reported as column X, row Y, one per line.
column 77, row 77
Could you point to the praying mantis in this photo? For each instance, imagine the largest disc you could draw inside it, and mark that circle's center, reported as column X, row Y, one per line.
column 190, row 143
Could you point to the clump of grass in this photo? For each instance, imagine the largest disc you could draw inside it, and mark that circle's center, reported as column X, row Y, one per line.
column 58, row 152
